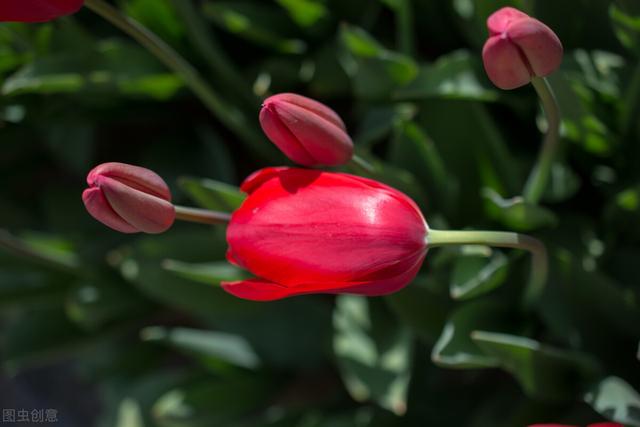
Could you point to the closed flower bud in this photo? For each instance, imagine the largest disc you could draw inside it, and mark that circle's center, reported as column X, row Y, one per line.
column 306, row 131
column 519, row 48
column 303, row 231
column 37, row 10
column 129, row 199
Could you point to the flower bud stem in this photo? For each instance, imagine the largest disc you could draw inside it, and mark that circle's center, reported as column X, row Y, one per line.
column 539, row 176
column 362, row 164
column 202, row 216
column 539, row 261
column 226, row 113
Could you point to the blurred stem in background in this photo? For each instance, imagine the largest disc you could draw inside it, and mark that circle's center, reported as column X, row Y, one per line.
column 404, row 27
column 228, row 114
column 207, row 45
column 502, row 239
column 537, row 181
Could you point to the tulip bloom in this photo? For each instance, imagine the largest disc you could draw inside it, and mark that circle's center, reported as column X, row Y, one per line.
column 129, row 199
column 305, row 231
column 519, row 47
column 590, row 425
column 37, row 10
column 306, row 131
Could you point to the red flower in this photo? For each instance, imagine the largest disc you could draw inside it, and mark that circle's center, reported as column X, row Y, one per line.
column 128, row 198
column 590, row 425
column 305, row 231
column 306, row 131
column 37, row 10
column 519, row 47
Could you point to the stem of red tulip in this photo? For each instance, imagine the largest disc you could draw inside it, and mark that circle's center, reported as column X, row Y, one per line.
column 226, row 113
column 202, row 216
column 537, row 181
column 503, row 239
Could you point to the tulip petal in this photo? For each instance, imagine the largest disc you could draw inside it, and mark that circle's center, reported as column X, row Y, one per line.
column 37, row 10
column 499, row 20
column 144, row 211
column 538, row 43
column 99, row 208
column 263, row 290
column 327, row 143
column 283, row 138
column 504, row 63
column 136, row 177
column 309, row 104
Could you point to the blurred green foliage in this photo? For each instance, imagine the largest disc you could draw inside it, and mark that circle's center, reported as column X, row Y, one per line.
column 142, row 317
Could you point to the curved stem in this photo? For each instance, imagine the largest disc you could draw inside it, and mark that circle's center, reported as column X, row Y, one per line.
column 226, row 113
column 539, row 261
column 537, row 181
column 202, row 216
column 208, row 47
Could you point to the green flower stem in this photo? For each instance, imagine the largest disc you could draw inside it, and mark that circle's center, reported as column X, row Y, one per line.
column 226, row 113
column 202, row 216
column 537, row 181
column 539, row 261
column 404, row 25
column 362, row 164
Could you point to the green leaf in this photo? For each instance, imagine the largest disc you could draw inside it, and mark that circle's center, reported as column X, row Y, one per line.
column 210, row 346
column 374, row 70
column 615, row 400
column 458, row 75
column 516, row 214
column 41, row 249
column 258, row 23
column 211, row 402
column 210, row 273
column 543, row 372
column 421, row 307
column 625, row 18
column 374, row 352
column 413, row 150
column 305, row 13
column 141, row 263
column 40, row 337
column 478, row 270
column 455, row 349
column 95, row 304
column 210, row 194
column 157, row 15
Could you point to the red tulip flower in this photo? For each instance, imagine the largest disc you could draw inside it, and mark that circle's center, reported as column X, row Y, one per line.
column 37, row 10
column 608, row 424
column 129, row 199
column 306, row 131
column 519, row 47
column 304, row 231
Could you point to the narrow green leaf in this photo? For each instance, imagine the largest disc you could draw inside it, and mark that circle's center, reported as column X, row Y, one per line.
column 516, row 214
column 210, row 194
column 229, row 348
column 478, row 270
column 210, row 273
column 374, row 352
column 543, row 372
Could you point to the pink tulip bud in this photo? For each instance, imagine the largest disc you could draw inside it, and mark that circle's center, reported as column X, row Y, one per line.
column 129, row 199
column 306, row 131
column 519, row 47
column 36, row 10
